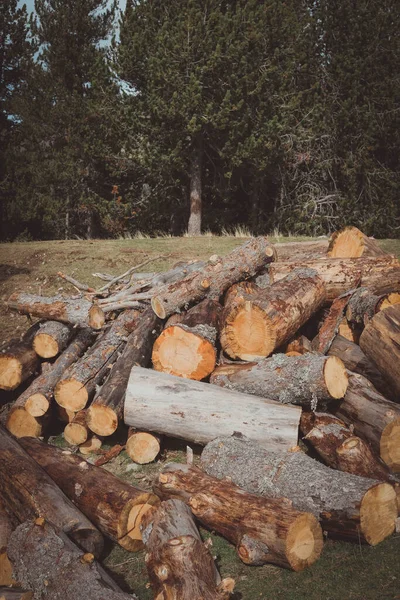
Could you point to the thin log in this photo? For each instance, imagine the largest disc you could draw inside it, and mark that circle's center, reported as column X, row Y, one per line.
column 83, row 287
column 91, row 446
column 330, row 325
column 350, row 242
column 76, row 432
column 51, row 339
column 142, row 447
column 299, row 344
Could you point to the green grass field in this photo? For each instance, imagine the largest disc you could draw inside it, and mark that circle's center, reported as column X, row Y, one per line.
column 344, row 571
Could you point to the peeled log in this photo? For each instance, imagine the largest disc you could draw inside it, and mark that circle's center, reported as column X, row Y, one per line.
column 374, row 418
column 180, row 566
column 307, row 380
column 198, row 412
column 350, row 242
column 341, row 275
column 49, row 563
column 76, row 432
column 106, row 410
column 380, row 341
column 18, row 361
column 217, row 276
column 77, row 311
column 349, row 507
column 113, row 505
column 28, row 492
column 51, row 339
column 142, row 447
column 253, row 328
column 24, row 418
column 264, row 530
column 79, row 382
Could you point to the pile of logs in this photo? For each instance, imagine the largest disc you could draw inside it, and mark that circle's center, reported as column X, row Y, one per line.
column 282, row 360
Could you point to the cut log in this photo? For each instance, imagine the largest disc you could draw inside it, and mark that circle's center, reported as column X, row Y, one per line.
column 76, row 311
column 264, row 530
column 349, row 332
column 364, row 304
column 18, row 361
column 301, row 250
column 254, row 328
column 91, row 446
column 380, row 341
column 51, row 339
column 308, row 380
column 106, row 409
column 113, row 505
column 330, row 325
column 25, row 416
column 350, row 242
column 216, row 277
column 50, row 564
column 187, row 349
column 28, row 492
column 349, row 507
column 179, row 565
column 339, row 448
column 7, row 593
column 194, row 411
column 374, row 418
column 76, row 432
column 142, row 447
column 79, row 382
column 341, row 275
column 355, row 360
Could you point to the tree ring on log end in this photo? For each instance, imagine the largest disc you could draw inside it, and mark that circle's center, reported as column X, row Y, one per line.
column 142, row 447
column 336, row 378
column 102, row 419
column 247, row 335
column 21, row 424
column 10, row 373
column 348, row 243
column 37, row 405
column 71, row 394
column 75, row 434
column 378, row 513
column 304, row 542
column 390, row 445
column 45, row 345
column 128, row 530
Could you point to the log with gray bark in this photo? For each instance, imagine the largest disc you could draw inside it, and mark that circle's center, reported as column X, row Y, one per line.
column 264, row 530
column 217, row 276
column 309, row 380
column 51, row 339
column 49, row 563
column 364, row 304
column 349, row 507
column 113, row 505
column 179, row 565
column 198, row 412
column 27, row 492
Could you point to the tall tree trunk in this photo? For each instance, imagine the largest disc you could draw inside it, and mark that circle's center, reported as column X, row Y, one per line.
column 194, row 225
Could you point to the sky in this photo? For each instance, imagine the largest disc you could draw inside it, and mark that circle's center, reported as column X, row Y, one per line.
column 30, row 4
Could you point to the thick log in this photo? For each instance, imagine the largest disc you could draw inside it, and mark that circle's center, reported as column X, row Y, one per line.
column 76, row 432
column 341, row 275
column 28, row 492
column 350, row 242
column 374, row 418
column 187, row 349
column 142, row 447
column 79, row 382
column 7, row 593
column 76, row 311
column 380, row 341
column 179, row 565
column 113, row 505
column 364, row 304
column 308, row 380
column 264, row 530
column 106, row 409
column 254, row 328
column 50, row 564
column 194, row 411
column 25, row 416
column 339, row 448
column 18, row 361
column 349, row 507
column 216, row 277
column 51, row 339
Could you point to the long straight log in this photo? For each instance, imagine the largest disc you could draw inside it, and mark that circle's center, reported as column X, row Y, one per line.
column 51, row 339
column 106, row 410
column 113, row 505
column 216, row 277
column 350, row 242
column 198, row 412
column 264, row 530
column 349, row 507
column 28, row 492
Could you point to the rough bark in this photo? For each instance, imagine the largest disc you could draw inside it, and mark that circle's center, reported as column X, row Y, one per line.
column 341, row 275
column 179, row 565
column 51, row 339
column 194, row 411
column 350, row 242
column 380, row 341
column 330, row 325
column 309, row 380
column 79, row 382
column 25, row 416
column 106, row 410
column 349, row 507
column 374, row 418
column 76, row 432
column 76, row 311
column 28, row 492
column 253, row 328
column 295, row 251
column 6, row 528
column 364, row 304
column 215, row 278
column 264, row 530
column 50, row 564
column 18, row 361
column 187, row 348
column 194, row 224
column 114, row 506
column 142, row 447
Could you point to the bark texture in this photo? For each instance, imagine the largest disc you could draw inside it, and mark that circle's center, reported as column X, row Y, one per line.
column 51, row 339
column 330, row 325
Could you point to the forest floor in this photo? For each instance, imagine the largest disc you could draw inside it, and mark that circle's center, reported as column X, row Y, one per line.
column 344, row 572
